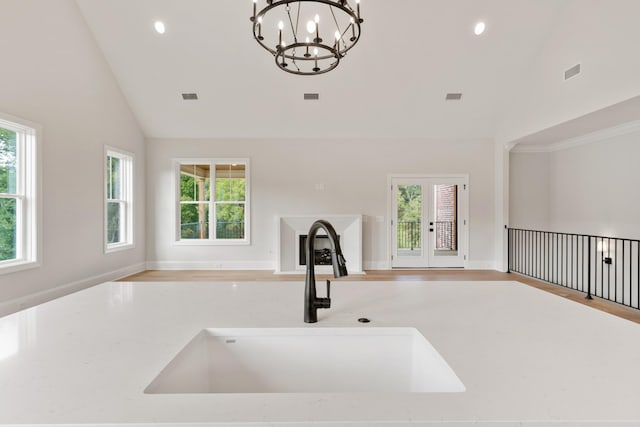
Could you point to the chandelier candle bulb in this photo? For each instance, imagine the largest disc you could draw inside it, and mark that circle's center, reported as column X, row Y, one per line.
column 358, row 8
column 280, row 28
column 317, row 21
column 315, row 52
column 254, row 9
column 284, row 58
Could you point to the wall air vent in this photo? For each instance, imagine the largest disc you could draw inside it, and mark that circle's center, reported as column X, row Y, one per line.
column 572, row 72
column 311, row 96
column 453, row 97
column 190, row 96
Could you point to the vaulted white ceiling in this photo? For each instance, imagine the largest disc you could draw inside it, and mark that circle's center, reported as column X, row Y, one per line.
column 391, row 85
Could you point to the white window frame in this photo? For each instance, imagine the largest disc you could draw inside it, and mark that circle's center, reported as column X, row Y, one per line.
column 126, row 199
column 27, row 196
column 213, row 241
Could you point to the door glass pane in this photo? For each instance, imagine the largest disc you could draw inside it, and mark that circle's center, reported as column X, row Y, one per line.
column 230, row 220
column 8, row 229
column 446, row 214
column 8, row 155
column 409, row 215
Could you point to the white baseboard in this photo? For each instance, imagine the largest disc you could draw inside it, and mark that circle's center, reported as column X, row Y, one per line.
column 210, row 265
column 31, row 300
column 481, row 265
column 376, row 265
column 471, row 265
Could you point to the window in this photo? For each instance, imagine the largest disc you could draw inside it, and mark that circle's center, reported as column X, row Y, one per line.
column 213, row 191
column 118, row 200
column 19, row 244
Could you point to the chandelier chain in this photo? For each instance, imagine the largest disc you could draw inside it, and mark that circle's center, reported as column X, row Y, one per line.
column 298, row 17
column 334, row 18
column 293, row 28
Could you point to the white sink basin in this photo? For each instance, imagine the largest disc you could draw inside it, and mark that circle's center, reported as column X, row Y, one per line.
column 307, row 360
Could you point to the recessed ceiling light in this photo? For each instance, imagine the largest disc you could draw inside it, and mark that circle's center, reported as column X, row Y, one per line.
column 190, row 96
column 479, row 28
column 159, row 26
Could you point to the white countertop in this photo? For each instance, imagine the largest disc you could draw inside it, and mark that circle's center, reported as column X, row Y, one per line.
column 523, row 355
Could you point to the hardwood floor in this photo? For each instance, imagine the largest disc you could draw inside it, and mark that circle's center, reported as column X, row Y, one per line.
column 385, row 276
column 268, row 275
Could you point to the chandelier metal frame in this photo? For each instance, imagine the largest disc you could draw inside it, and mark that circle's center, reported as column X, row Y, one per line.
column 304, row 55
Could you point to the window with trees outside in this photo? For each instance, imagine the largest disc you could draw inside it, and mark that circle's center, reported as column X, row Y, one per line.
column 18, row 195
column 118, row 200
column 213, row 201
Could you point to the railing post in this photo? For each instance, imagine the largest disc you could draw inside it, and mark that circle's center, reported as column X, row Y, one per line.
column 508, row 249
column 589, row 269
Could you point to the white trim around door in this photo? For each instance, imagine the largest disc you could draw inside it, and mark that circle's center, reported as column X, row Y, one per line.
column 415, row 234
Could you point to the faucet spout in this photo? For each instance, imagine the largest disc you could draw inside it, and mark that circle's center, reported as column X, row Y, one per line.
column 311, row 302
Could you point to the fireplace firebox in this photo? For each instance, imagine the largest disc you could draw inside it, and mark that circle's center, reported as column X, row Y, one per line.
column 322, row 250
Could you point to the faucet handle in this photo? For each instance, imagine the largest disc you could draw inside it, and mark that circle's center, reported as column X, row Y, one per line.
column 324, row 302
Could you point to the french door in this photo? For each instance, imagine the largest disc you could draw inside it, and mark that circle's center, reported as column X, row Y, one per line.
column 428, row 221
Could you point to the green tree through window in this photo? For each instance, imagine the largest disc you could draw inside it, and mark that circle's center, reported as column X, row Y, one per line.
column 409, row 216
column 215, row 191
column 19, row 240
column 119, row 199
column 8, row 201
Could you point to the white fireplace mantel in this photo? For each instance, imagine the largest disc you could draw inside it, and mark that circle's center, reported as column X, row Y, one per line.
column 290, row 227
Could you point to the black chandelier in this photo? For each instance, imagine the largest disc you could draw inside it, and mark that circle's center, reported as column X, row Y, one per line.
column 307, row 37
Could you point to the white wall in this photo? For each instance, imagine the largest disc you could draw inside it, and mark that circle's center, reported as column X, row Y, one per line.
column 529, row 190
column 595, row 188
column 602, row 37
column 284, row 174
column 53, row 74
column 591, row 188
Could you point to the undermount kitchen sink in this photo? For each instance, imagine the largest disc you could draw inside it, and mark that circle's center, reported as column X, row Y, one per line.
column 307, row 360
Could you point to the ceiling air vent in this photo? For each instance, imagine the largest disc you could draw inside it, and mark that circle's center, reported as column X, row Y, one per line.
column 453, row 97
column 572, row 72
column 311, row 96
column 190, row 96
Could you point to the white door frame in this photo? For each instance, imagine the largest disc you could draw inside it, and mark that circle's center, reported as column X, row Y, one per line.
column 464, row 212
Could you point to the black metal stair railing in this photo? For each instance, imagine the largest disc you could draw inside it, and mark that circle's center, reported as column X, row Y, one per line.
column 605, row 267
column 409, row 234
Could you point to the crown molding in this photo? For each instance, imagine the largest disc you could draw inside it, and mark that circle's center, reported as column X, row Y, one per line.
column 590, row 138
column 531, row 149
